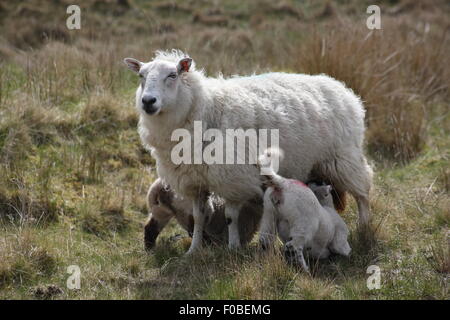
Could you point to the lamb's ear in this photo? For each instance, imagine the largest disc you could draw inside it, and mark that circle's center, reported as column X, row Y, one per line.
column 184, row 65
column 133, row 64
column 322, row 191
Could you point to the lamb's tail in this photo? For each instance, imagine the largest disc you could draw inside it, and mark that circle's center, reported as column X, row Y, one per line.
column 267, row 165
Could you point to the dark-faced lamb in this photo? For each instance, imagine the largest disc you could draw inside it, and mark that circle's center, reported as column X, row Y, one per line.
column 164, row 204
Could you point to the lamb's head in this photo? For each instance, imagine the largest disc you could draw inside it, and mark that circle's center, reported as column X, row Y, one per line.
column 160, row 196
column 164, row 86
column 323, row 194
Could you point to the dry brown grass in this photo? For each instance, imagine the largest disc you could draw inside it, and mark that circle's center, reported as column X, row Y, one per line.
column 397, row 84
column 398, row 71
column 22, row 260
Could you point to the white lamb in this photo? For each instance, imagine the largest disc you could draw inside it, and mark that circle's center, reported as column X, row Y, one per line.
column 320, row 121
column 304, row 218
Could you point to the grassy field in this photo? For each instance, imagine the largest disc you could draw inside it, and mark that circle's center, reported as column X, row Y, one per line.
column 73, row 174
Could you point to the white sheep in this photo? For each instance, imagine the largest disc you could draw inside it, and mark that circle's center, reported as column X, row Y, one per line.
column 320, row 123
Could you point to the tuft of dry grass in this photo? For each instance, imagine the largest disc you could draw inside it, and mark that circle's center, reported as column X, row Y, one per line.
column 21, row 260
column 105, row 216
column 396, row 85
column 439, row 257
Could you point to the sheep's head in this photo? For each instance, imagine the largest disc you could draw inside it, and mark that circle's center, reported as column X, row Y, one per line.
column 163, row 84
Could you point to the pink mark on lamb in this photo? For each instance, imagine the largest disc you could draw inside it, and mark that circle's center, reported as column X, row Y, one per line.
column 277, row 196
column 298, row 183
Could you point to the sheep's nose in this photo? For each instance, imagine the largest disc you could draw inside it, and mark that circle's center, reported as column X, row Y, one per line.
column 148, row 104
column 148, row 101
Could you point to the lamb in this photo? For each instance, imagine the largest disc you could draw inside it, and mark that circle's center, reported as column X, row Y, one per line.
column 319, row 120
column 340, row 244
column 164, row 204
column 304, row 218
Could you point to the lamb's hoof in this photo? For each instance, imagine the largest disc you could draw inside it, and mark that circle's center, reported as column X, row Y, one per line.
column 264, row 244
column 290, row 254
column 295, row 258
column 148, row 247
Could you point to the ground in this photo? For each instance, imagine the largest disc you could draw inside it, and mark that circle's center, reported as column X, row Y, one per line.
column 73, row 174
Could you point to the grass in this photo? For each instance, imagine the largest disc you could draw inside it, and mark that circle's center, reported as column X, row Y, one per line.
column 73, row 175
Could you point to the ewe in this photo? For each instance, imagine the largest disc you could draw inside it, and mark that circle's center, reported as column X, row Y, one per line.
column 320, row 123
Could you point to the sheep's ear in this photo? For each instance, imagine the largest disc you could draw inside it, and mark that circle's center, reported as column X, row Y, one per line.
column 184, row 65
column 133, row 64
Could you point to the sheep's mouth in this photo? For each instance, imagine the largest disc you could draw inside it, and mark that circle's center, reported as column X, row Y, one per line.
column 151, row 111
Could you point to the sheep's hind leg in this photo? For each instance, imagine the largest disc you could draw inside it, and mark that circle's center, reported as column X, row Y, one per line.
column 199, row 222
column 232, row 217
column 351, row 172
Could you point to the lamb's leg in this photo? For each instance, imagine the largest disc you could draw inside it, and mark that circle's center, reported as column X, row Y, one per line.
column 157, row 221
column 340, row 244
column 232, row 217
column 318, row 251
column 293, row 251
column 199, row 222
column 267, row 230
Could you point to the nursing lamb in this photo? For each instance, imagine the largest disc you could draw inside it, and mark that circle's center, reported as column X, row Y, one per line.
column 164, row 204
column 301, row 216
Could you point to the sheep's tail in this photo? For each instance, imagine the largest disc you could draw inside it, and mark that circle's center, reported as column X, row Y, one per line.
column 265, row 165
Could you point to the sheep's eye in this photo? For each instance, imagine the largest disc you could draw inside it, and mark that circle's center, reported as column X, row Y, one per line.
column 141, row 76
column 173, row 75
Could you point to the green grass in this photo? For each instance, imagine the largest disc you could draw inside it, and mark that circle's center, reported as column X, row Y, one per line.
column 74, row 176
column 411, row 248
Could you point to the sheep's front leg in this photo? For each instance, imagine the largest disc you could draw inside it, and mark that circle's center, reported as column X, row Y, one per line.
column 267, row 231
column 199, row 222
column 232, row 217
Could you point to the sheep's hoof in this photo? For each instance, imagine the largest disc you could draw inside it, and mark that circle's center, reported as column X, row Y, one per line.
column 192, row 251
column 234, row 246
